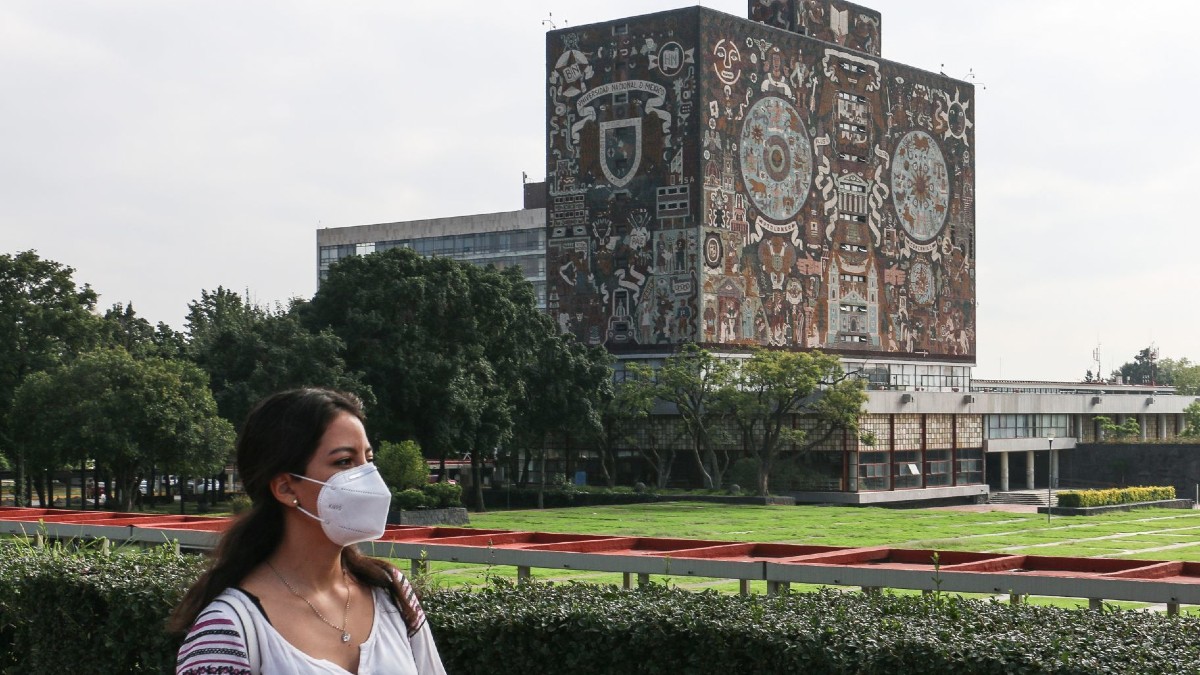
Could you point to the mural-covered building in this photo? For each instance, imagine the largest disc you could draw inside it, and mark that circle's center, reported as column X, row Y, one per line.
column 769, row 182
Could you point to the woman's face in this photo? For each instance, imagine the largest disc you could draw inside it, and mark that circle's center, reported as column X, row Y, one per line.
column 344, row 446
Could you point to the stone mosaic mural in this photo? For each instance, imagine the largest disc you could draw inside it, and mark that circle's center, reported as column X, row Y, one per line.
column 714, row 180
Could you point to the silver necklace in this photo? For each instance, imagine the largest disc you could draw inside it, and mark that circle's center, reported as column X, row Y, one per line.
column 345, row 613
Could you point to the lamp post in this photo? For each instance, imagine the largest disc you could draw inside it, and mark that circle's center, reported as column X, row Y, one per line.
column 1049, row 474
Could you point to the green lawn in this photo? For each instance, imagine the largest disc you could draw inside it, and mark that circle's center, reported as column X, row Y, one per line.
column 1165, row 534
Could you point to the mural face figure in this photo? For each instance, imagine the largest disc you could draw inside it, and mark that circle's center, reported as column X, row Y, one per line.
column 728, row 65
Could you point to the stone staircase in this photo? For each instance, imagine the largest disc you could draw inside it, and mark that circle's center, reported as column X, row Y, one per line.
column 1021, row 497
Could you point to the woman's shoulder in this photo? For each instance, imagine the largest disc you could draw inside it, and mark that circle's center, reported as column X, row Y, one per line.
column 216, row 642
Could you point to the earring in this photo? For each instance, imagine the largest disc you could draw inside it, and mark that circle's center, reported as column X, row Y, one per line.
column 295, row 501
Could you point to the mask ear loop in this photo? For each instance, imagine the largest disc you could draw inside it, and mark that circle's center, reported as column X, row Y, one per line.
column 296, row 500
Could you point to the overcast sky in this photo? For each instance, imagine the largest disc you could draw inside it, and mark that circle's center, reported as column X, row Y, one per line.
column 162, row 147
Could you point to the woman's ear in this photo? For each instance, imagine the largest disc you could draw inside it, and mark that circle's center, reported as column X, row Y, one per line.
column 283, row 490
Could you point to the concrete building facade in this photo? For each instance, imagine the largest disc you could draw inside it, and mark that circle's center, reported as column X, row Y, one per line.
column 505, row 239
column 717, row 180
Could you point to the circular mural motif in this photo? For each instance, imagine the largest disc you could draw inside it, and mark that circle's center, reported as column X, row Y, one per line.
column 920, row 280
column 712, row 250
column 920, row 185
column 776, row 158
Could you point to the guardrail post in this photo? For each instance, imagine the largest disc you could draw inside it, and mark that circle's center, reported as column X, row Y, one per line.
column 643, row 579
column 626, row 580
column 39, row 540
column 1172, row 609
column 777, row 587
column 743, row 587
column 1095, row 604
column 1015, row 598
column 871, row 590
column 104, row 546
column 522, row 574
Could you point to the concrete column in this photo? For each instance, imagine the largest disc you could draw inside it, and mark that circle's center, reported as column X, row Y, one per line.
column 1162, row 427
column 1004, row 472
column 1080, row 427
column 1054, row 468
column 1142, row 424
column 1029, row 464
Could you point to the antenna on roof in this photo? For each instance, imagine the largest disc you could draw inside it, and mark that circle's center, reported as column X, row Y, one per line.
column 974, row 80
column 549, row 21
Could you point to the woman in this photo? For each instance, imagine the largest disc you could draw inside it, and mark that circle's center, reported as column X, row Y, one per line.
column 289, row 591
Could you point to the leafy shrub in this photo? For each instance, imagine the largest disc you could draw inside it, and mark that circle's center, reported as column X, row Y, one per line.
column 239, row 503
column 409, row 500
column 402, row 465
column 744, row 472
column 516, row 497
column 585, row 630
column 64, row 611
column 443, row 495
column 1114, row 496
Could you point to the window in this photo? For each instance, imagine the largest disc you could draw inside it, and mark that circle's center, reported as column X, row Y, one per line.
column 970, row 466
column 938, row 471
column 907, row 468
column 873, row 473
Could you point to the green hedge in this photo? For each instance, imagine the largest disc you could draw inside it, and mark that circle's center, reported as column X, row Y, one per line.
column 583, row 630
column 65, row 612
column 1133, row 495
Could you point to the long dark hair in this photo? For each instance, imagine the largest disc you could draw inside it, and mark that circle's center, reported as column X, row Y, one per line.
column 280, row 435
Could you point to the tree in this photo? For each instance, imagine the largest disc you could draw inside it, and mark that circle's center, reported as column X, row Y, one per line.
column 568, row 385
column 250, row 352
column 1183, row 374
column 1191, row 420
column 128, row 415
column 1118, row 432
column 122, row 327
column 773, row 390
column 690, row 379
column 1143, row 369
column 44, row 321
column 621, row 412
column 653, row 437
column 402, row 465
column 447, row 347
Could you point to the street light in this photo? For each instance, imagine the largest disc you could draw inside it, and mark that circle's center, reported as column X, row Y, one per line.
column 1049, row 474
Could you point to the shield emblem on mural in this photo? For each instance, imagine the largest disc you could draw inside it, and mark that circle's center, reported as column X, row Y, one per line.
column 620, row 149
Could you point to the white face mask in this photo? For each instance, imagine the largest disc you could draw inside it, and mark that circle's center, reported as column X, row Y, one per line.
column 352, row 505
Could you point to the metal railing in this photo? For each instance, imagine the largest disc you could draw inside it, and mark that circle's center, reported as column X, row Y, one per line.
column 1171, row 583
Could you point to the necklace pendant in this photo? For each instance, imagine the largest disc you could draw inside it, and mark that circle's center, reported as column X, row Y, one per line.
column 345, row 637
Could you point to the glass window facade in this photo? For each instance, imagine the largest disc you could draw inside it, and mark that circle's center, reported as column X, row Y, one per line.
column 524, row 249
column 1027, row 426
column 912, row 376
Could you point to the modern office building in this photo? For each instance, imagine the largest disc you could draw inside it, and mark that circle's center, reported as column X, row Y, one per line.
column 506, row 239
